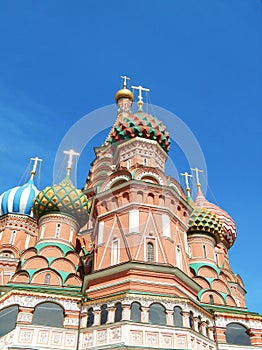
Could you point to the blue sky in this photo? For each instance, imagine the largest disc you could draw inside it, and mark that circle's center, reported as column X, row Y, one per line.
column 60, row 60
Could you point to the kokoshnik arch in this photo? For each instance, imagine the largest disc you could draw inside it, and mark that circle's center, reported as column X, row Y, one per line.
column 130, row 261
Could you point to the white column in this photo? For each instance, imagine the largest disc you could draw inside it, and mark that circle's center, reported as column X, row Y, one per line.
column 170, row 317
column 126, row 313
column 111, row 314
column 97, row 315
column 145, row 314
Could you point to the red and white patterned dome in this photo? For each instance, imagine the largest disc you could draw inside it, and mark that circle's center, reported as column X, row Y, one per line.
column 228, row 225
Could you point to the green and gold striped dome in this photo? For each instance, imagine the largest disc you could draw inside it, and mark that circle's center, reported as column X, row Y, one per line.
column 62, row 198
column 203, row 221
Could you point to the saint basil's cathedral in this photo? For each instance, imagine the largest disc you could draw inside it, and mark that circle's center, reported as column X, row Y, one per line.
column 130, row 261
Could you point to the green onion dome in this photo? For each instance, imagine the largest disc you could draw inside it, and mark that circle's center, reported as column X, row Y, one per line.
column 62, row 198
column 142, row 125
column 203, row 221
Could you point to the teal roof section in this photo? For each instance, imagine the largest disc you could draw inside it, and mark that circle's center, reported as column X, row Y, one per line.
column 61, row 290
column 197, row 266
column 62, row 274
column 65, row 248
column 223, row 295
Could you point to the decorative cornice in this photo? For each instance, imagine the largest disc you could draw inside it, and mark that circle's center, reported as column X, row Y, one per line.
column 142, row 266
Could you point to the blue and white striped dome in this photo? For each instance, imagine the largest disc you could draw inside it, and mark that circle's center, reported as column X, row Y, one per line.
column 19, row 199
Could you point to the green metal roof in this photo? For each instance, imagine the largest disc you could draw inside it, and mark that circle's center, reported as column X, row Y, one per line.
column 65, row 248
column 197, row 266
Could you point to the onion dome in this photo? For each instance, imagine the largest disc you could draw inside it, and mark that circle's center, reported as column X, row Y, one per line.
column 62, row 198
column 124, row 93
column 19, row 199
column 204, row 221
column 228, row 225
column 142, row 125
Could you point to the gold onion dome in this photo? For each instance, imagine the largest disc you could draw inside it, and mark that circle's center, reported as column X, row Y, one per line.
column 124, row 93
column 62, row 198
column 204, row 221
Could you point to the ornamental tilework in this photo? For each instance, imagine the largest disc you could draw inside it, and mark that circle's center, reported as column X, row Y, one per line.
column 136, row 337
column 56, row 338
column 87, row 339
column 43, row 337
column 151, row 338
column 101, row 336
column 25, row 335
column 116, row 333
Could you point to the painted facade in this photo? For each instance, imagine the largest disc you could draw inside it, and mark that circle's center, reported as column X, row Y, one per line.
column 129, row 262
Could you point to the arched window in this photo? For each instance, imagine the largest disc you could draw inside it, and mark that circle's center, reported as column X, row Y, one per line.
column 57, row 231
column 8, row 317
column 104, row 314
column 115, row 252
column 48, row 314
column 42, row 232
column 199, row 325
column 90, row 317
column 136, row 312
column 118, row 312
column 157, row 314
column 204, row 251
column 7, row 254
column 178, row 257
column 237, row 334
column 178, row 316
column 47, row 278
column 27, row 241
column 189, row 252
column 150, row 252
column 191, row 316
column 71, row 235
column 12, row 238
column 211, row 299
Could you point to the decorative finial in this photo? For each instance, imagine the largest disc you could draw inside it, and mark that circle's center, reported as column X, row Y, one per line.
column 197, row 171
column 125, row 78
column 186, row 175
column 71, row 153
column 140, row 96
column 33, row 172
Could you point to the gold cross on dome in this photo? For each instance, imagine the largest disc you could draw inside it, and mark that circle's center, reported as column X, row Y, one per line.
column 125, row 78
column 140, row 96
column 197, row 171
column 36, row 160
column 71, row 154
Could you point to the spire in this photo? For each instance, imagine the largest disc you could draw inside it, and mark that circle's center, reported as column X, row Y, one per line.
column 197, row 171
column 187, row 176
column 125, row 78
column 71, row 153
column 124, row 92
column 33, row 172
column 200, row 198
column 140, row 96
